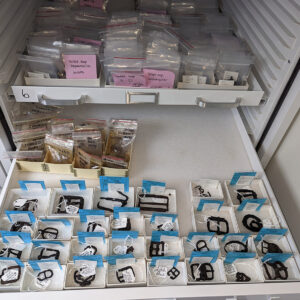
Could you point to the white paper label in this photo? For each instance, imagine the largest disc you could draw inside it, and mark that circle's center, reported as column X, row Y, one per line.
column 119, row 223
column 19, row 202
column 202, row 79
column 167, row 226
column 190, row 79
column 24, row 94
column 160, row 271
column 72, row 210
column 128, row 276
column 229, row 75
column 87, row 270
column 27, row 229
column 14, row 240
column 20, row 218
column 10, row 275
column 230, row 269
column 251, row 206
column 113, row 187
column 120, row 250
column 226, row 82
column 87, row 252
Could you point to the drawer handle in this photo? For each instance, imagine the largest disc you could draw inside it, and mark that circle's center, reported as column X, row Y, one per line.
column 152, row 100
column 43, row 100
column 202, row 103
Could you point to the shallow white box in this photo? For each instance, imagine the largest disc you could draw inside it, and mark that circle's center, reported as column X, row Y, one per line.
column 251, row 267
column 280, row 242
column 56, row 282
column 43, row 197
column 153, row 280
column 190, row 246
column 11, row 287
column 65, row 231
column 110, row 204
column 292, row 271
column 6, row 225
column 78, row 248
column 24, row 248
column 87, row 195
column 266, row 215
column 137, row 224
column 234, row 247
column 82, row 226
column 256, row 185
column 149, row 227
column 63, row 249
column 138, row 244
column 174, row 247
column 218, row 274
column 170, row 208
column 203, row 217
column 139, row 268
column 98, row 283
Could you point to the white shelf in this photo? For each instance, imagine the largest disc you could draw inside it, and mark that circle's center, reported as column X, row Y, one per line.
column 175, row 144
column 118, row 95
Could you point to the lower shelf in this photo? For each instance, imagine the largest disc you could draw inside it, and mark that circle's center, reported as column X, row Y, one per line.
column 175, row 145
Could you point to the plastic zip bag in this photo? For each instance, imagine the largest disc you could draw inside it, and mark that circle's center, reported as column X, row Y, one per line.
column 89, row 141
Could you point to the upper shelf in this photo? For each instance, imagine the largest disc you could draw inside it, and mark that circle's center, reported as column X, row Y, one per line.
column 60, row 95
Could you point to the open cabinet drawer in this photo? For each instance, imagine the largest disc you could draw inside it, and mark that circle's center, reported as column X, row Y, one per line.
column 175, row 145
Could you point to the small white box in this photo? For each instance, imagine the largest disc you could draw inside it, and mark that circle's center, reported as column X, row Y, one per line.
column 264, row 218
column 91, row 246
column 256, row 185
column 164, row 276
column 36, row 200
column 165, row 202
column 172, row 247
column 213, row 220
column 288, row 270
column 215, row 271
column 132, row 272
column 108, row 205
column 98, row 283
column 248, row 269
column 197, row 241
column 60, row 206
column 58, row 249
column 11, row 270
column 121, row 246
column 161, row 223
column 236, row 243
column 30, row 282
column 84, row 226
column 6, row 225
column 54, row 229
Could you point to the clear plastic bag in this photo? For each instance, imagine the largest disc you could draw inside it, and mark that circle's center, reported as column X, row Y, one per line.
column 85, row 160
column 37, row 133
column 89, row 17
column 153, row 5
column 62, row 127
column 234, row 65
column 89, row 141
column 50, row 17
column 60, row 150
column 35, row 155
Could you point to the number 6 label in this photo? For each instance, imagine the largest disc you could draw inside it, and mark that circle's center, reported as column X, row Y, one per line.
column 24, row 94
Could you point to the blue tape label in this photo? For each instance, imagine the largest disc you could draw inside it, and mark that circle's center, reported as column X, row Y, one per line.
column 273, row 257
column 158, row 236
column 242, row 178
column 44, row 264
column 272, row 232
column 89, row 258
column 252, row 204
column 231, row 257
column 29, row 185
column 65, row 222
column 84, row 214
column 196, row 236
column 163, row 216
column 86, row 237
column 213, row 255
column 112, row 260
column 209, row 204
column 47, row 243
column 124, row 234
column 126, row 212
column 73, row 185
column 110, row 183
column 241, row 237
column 20, row 216
column 153, row 187
column 15, row 237
column 164, row 260
column 4, row 260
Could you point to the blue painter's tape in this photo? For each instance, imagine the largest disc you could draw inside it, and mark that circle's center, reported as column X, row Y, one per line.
column 245, row 236
column 29, row 215
column 236, row 176
column 259, row 202
column 232, row 256
column 63, row 221
column 41, row 243
column 25, row 236
column 124, row 234
column 148, row 184
column 272, row 257
column 192, row 234
column 156, row 235
column 35, row 264
column 83, row 213
column 97, row 258
column 80, row 183
column 16, row 260
column 156, row 215
column 112, row 259
column 83, row 235
column 23, row 184
column 270, row 231
column 118, row 210
column 154, row 260
column 202, row 202
column 213, row 254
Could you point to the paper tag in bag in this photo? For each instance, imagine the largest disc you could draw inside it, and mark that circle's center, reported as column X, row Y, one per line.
column 19, row 202
column 10, row 275
column 87, row 270
column 119, row 223
column 229, row 75
column 80, row 66
column 230, row 269
column 128, row 276
column 72, row 210
column 160, row 271
column 114, row 187
column 120, row 250
column 167, row 226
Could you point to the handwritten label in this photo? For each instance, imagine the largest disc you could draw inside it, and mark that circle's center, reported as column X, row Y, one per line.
column 159, row 78
column 92, row 3
column 133, row 79
column 80, row 66
column 85, row 41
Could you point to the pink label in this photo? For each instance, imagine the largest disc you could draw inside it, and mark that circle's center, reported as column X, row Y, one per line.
column 159, row 78
column 92, row 3
column 134, row 79
column 81, row 40
column 80, row 66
